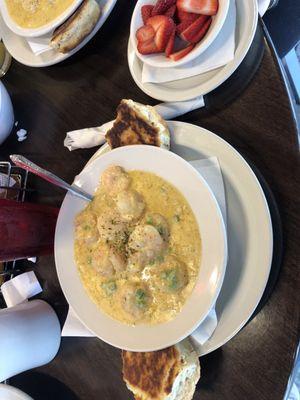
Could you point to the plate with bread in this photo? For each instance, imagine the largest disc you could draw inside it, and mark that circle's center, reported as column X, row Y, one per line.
column 249, row 235
column 250, row 244
column 60, row 41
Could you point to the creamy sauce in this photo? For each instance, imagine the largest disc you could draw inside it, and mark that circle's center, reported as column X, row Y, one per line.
column 36, row 13
column 183, row 244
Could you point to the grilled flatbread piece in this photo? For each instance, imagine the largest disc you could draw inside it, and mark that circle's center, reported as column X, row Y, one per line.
column 138, row 124
column 169, row 374
column 70, row 34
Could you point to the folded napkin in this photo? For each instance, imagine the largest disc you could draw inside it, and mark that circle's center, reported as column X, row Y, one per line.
column 263, row 5
column 20, row 288
column 39, row 45
column 90, row 137
column 219, row 53
column 4, row 181
column 210, row 170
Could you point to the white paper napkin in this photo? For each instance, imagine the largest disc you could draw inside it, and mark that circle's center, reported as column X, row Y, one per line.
column 39, row 45
column 263, row 5
column 90, row 137
column 20, row 288
column 210, row 170
column 4, row 181
column 219, row 53
column 73, row 326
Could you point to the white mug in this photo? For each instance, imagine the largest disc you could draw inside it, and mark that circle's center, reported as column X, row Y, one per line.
column 30, row 337
column 6, row 114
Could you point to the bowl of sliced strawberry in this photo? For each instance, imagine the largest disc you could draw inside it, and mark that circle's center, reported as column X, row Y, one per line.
column 168, row 33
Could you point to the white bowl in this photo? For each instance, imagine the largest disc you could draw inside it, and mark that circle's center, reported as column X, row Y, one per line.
column 35, row 32
column 213, row 258
column 159, row 59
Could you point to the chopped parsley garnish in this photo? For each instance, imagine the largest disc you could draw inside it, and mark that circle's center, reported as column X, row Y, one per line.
column 149, row 221
column 140, row 298
column 160, row 230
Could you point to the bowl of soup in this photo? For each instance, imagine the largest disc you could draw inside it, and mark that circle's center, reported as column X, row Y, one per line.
column 141, row 264
column 33, row 18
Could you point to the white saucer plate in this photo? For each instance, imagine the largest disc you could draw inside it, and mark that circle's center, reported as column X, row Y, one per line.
column 249, row 229
column 189, row 88
column 20, row 50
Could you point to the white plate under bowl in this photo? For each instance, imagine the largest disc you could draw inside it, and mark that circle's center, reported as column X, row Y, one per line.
column 160, row 60
column 35, row 32
column 189, row 88
column 249, row 229
column 182, row 175
column 20, row 50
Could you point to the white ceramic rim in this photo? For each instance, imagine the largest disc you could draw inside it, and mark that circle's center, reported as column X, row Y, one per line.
column 158, row 60
column 50, row 57
column 160, row 92
column 210, row 145
column 43, row 30
column 213, row 262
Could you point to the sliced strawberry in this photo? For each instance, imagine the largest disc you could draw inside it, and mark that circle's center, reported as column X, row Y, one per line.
column 170, row 11
column 145, row 33
column 170, row 44
column 146, row 12
column 147, row 47
column 182, row 27
column 206, row 7
column 184, row 16
column 163, row 27
column 181, row 53
column 162, row 6
column 200, row 34
column 194, row 28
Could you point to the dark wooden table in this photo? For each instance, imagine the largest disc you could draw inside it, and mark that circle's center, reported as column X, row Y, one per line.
column 256, row 119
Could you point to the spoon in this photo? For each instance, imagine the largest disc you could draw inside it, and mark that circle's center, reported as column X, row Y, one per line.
column 24, row 163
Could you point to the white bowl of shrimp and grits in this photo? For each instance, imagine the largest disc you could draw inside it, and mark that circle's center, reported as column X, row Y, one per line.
column 141, row 264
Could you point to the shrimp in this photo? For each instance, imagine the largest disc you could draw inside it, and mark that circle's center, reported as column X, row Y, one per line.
column 114, row 180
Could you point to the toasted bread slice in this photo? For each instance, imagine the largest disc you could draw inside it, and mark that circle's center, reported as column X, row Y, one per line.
column 169, row 374
column 70, row 34
column 138, row 124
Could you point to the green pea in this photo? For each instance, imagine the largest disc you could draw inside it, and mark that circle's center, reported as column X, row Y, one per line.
column 109, row 287
column 171, row 278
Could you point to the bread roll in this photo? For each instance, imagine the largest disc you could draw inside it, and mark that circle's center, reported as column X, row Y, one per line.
column 169, row 374
column 138, row 124
column 70, row 34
